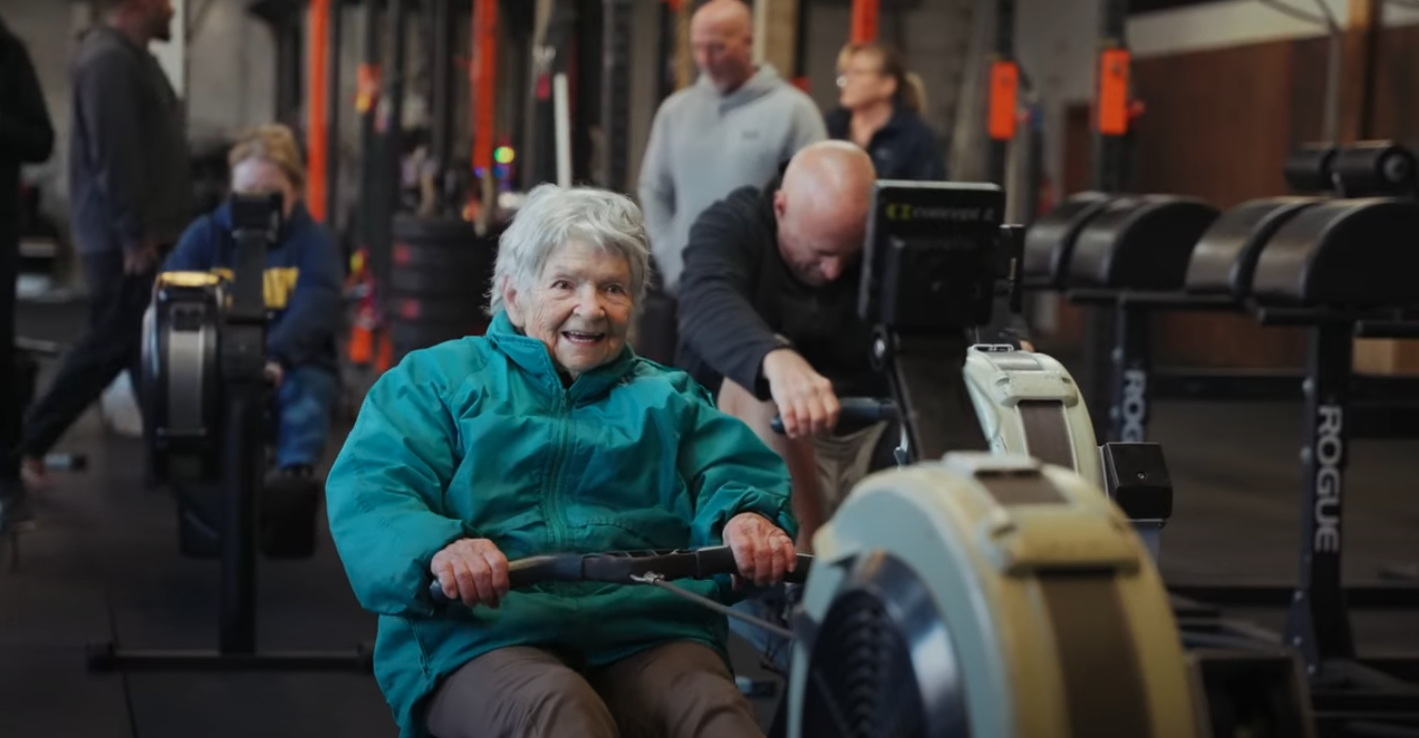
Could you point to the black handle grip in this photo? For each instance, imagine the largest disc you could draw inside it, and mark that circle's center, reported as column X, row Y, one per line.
column 622, row 567
column 854, row 410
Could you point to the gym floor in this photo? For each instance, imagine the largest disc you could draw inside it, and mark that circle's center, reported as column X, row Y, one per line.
column 105, row 564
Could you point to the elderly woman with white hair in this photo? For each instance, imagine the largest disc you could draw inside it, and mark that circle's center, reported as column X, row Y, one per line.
column 548, row 434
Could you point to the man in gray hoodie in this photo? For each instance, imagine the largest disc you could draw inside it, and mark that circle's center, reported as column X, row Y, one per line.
column 733, row 128
column 130, row 191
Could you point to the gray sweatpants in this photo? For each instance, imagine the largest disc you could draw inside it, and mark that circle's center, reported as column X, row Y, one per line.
column 678, row 690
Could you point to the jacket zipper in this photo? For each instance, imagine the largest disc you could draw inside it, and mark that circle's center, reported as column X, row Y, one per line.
column 556, row 523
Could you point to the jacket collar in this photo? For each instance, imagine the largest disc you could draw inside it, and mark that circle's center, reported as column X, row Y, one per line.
column 839, row 122
column 531, row 356
column 103, row 30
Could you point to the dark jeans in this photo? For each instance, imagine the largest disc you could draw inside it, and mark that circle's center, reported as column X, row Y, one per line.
column 302, row 406
column 111, row 344
column 11, row 414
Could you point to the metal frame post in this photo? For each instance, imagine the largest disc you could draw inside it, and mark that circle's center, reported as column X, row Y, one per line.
column 1130, row 396
column 398, row 27
column 441, row 76
column 618, row 16
column 370, row 72
column 332, row 107
column 1319, row 621
column 1001, row 105
column 1110, row 133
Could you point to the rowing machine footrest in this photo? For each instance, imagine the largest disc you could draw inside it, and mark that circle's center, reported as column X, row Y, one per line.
column 196, row 538
column 288, row 511
column 1136, row 479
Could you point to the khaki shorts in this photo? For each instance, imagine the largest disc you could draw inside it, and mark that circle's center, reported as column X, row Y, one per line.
column 843, row 461
column 676, row 690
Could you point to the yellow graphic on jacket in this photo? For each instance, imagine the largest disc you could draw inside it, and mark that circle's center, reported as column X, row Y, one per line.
column 278, row 283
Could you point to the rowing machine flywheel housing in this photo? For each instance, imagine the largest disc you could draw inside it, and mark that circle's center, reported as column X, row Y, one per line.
column 181, row 383
column 987, row 596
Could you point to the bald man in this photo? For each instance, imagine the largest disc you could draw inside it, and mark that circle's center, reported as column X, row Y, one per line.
column 768, row 319
column 733, row 128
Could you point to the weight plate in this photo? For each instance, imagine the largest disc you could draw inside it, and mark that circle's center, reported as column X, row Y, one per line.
column 414, row 228
column 423, row 335
column 463, row 256
column 464, row 311
column 417, row 283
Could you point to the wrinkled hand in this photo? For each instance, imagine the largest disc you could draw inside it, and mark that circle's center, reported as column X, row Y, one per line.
column 141, row 260
column 472, row 570
column 805, row 398
column 274, row 374
column 762, row 551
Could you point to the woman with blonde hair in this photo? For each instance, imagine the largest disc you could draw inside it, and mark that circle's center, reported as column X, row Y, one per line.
column 881, row 104
column 302, row 286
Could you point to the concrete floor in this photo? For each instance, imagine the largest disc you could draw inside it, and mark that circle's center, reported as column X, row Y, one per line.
column 106, row 563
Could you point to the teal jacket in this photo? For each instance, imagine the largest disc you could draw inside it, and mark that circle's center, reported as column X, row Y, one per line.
column 480, row 438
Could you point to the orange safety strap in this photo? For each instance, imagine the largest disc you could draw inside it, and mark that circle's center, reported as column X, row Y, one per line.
column 317, row 134
column 1004, row 86
column 483, row 81
column 1113, row 109
column 864, row 21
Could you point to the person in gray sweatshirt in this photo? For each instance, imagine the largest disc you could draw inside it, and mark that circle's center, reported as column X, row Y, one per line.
column 130, row 194
column 733, row 128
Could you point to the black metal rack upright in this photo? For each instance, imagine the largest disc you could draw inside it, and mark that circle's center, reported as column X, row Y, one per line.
column 589, row 45
column 284, row 20
column 999, row 161
column 444, row 35
column 1109, row 157
column 333, row 103
column 616, row 92
column 396, row 79
column 1110, row 149
column 373, row 226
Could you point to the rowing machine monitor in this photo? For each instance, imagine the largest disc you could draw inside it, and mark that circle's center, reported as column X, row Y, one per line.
column 929, row 277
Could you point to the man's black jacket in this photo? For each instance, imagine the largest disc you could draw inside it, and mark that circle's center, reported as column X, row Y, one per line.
column 129, row 168
column 26, row 135
column 739, row 300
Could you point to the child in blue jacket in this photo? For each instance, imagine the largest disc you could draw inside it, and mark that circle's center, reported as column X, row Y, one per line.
column 302, row 287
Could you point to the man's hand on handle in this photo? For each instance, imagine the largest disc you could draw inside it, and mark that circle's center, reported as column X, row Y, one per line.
column 472, row 570
column 762, row 551
column 805, row 398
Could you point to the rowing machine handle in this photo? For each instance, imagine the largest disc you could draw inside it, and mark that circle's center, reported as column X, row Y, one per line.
column 619, row 568
column 854, row 409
